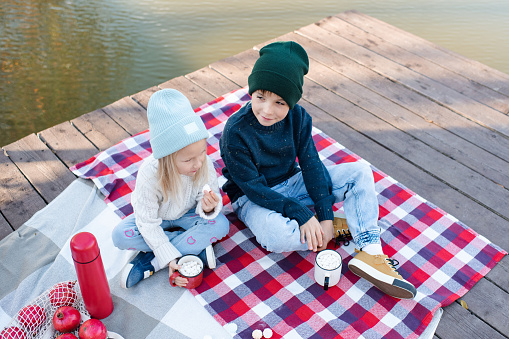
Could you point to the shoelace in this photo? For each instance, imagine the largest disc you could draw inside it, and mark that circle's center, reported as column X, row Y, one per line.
column 383, row 259
column 343, row 238
column 393, row 263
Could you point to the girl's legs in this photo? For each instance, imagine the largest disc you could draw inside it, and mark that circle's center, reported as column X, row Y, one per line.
column 126, row 236
column 196, row 235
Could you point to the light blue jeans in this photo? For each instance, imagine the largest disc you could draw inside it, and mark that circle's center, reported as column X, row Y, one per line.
column 192, row 233
column 352, row 183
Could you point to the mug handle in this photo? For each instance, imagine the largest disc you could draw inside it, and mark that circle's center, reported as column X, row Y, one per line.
column 172, row 278
column 326, row 283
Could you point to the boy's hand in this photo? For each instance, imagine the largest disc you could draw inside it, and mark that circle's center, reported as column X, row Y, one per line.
column 312, row 232
column 209, row 201
column 179, row 281
column 328, row 233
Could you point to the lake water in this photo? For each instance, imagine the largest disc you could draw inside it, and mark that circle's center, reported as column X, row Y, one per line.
column 63, row 58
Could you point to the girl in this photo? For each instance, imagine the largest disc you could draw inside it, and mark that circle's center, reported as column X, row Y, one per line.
column 176, row 201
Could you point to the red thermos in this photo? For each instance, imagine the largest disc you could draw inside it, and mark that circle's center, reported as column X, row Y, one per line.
column 91, row 275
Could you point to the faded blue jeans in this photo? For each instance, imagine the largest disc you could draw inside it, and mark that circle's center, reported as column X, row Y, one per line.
column 194, row 235
column 352, row 183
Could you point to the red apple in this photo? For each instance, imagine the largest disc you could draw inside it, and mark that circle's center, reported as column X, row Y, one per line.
column 13, row 332
column 66, row 336
column 66, row 319
column 32, row 316
column 93, row 329
column 63, row 294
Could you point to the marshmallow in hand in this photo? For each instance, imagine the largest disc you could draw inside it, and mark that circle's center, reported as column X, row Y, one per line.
column 206, row 188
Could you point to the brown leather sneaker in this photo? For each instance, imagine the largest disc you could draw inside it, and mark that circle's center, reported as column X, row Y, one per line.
column 380, row 271
column 341, row 232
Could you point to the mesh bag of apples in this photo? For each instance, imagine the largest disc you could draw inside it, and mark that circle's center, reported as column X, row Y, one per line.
column 57, row 313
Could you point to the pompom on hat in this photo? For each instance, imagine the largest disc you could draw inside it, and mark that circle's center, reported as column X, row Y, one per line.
column 173, row 124
column 280, row 69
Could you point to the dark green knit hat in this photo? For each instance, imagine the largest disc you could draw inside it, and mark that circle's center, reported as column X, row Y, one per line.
column 280, row 69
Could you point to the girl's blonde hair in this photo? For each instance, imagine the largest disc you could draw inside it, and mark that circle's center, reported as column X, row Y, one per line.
column 168, row 176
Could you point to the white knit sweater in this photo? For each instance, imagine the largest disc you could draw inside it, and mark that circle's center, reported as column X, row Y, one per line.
column 150, row 210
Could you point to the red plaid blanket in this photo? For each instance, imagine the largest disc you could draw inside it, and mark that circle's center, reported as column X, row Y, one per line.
column 256, row 289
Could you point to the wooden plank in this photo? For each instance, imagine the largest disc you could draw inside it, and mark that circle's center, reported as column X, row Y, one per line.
column 68, row 143
column 143, row 96
column 100, row 129
column 474, row 70
column 438, row 138
column 5, row 228
column 429, row 110
column 413, row 61
column 130, row 115
column 18, row 199
column 40, row 166
column 212, row 81
column 459, row 323
column 455, row 101
column 495, row 312
column 238, row 67
column 499, row 274
column 441, row 140
column 197, row 96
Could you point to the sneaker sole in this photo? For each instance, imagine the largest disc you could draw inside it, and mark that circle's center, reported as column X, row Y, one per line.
column 211, row 257
column 387, row 284
column 125, row 274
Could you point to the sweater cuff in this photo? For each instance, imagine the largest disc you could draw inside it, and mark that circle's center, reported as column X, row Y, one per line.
column 211, row 215
column 324, row 213
column 166, row 253
column 303, row 216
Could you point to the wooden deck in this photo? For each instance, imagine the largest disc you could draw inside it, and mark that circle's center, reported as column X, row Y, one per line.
column 435, row 121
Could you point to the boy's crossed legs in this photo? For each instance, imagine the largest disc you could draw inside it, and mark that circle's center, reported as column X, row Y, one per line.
column 353, row 184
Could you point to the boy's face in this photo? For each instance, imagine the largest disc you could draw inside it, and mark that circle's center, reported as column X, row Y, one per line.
column 268, row 107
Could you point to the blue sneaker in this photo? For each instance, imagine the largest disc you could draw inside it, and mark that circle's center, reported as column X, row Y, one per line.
column 208, row 257
column 138, row 269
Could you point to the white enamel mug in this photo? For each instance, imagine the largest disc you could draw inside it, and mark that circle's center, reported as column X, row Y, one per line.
column 328, row 264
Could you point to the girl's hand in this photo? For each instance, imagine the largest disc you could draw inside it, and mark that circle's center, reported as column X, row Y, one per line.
column 179, row 281
column 209, row 201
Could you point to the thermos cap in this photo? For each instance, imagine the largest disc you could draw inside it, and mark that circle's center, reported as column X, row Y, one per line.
column 84, row 247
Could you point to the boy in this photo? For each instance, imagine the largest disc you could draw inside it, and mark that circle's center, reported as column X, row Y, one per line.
column 271, row 192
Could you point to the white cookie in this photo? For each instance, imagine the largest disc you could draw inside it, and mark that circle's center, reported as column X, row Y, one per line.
column 267, row 333
column 257, row 334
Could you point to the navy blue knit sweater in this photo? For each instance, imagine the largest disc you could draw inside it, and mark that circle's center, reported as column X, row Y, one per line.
column 258, row 157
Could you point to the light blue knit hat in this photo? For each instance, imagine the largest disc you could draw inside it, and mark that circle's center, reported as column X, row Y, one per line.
column 172, row 122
